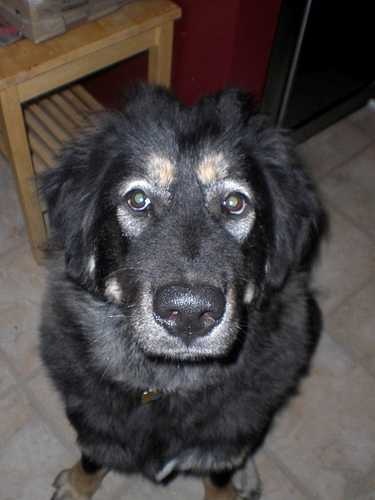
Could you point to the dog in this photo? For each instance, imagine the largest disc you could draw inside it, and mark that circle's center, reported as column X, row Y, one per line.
column 180, row 317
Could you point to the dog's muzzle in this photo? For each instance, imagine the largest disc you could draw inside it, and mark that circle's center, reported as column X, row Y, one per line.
column 188, row 312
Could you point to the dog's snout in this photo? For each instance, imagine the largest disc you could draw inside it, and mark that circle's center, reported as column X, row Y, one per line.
column 190, row 311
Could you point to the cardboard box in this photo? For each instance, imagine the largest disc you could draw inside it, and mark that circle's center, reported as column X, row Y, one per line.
column 43, row 19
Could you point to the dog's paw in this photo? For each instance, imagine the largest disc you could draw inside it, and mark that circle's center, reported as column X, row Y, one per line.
column 213, row 492
column 76, row 484
column 254, row 494
column 65, row 489
column 247, row 482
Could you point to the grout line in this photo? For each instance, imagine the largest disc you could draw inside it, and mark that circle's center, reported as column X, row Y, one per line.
column 349, row 296
column 357, row 225
column 343, row 162
column 349, row 351
column 13, row 248
column 22, row 385
column 356, row 123
column 345, row 299
column 44, row 415
column 330, row 206
column 4, row 394
column 290, row 475
column 122, row 489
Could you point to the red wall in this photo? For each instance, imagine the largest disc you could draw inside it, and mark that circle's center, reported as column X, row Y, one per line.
column 222, row 42
column 256, row 26
column 218, row 43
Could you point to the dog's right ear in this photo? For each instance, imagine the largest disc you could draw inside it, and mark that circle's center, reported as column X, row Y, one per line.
column 143, row 101
column 71, row 191
column 232, row 108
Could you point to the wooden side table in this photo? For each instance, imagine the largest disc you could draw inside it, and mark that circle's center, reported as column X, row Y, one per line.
column 29, row 71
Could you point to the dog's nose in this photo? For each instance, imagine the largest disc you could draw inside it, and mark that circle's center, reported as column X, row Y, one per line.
column 189, row 311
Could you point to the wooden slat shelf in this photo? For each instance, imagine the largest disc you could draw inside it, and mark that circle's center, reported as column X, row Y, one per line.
column 71, row 106
column 35, row 120
column 51, row 121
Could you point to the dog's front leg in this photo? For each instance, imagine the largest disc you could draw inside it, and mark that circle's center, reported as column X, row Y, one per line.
column 80, row 482
column 247, row 481
column 244, row 484
column 219, row 487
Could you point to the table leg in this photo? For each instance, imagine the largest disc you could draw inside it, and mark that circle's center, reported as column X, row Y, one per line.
column 160, row 55
column 20, row 158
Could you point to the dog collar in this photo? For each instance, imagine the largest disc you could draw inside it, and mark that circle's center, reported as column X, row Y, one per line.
column 150, row 396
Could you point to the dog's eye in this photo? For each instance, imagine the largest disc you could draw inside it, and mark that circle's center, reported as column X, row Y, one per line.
column 137, row 200
column 235, row 203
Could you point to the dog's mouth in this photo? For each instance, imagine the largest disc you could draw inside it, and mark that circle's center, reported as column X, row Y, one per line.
column 185, row 323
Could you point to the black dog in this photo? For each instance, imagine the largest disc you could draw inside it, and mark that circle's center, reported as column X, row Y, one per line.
column 181, row 319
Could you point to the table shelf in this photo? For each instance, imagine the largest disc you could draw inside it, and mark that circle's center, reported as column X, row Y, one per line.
column 42, row 104
column 55, row 119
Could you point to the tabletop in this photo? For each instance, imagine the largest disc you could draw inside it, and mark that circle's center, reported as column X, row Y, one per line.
column 24, row 60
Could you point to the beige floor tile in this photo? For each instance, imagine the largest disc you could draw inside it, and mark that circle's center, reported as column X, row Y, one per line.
column 50, row 403
column 347, row 262
column 362, row 489
column 11, row 236
column 15, row 411
column 31, row 456
column 19, row 337
column 22, row 284
column 182, row 488
column 113, row 485
column 30, row 461
column 6, row 378
column 21, row 277
column 326, row 150
column 351, row 188
column 12, row 228
column 275, row 484
column 7, row 187
column 353, row 326
column 327, row 434
column 364, row 118
column 367, row 496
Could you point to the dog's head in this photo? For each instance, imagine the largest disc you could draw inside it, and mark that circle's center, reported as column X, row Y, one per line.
column 184, row 217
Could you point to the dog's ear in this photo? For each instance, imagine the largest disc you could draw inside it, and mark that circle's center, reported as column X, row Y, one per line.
column 229, row 109
column 143, row 101
column 71, row 191
column 295, row 218
column 292, row 217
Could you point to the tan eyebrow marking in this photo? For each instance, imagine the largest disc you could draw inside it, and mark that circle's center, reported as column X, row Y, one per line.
column 212, row 168
column 162, row 170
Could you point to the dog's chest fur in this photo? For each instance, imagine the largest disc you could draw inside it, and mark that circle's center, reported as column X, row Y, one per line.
column 168, row 435
column 213, row 415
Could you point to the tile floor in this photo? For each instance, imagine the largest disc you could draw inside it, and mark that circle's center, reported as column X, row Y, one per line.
column 322, row 446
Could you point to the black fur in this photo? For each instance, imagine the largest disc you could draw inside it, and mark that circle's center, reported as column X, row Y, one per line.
column 212, row 408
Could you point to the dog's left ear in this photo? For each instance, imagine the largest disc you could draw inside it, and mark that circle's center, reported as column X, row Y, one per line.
column 295, row 218
column 292, row 216
column 72, row 193
column 232, row 108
